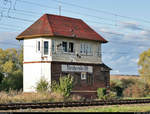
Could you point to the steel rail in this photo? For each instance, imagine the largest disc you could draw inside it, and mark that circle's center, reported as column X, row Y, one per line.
column 14, row 106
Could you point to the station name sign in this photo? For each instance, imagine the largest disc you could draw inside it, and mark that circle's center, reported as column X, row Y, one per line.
column 77, row 68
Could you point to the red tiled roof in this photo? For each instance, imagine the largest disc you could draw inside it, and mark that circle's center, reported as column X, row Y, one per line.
column 60, row 26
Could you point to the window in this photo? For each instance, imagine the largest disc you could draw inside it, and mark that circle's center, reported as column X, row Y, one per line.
column 83, row 75
column 53, row 45
column 64, row 44
column 71, row 47
column 38, row 46
column 81, row 48
column 90, row 49
column 99, row 50
column 85, row 49
column 46, row 47
column 68, row 46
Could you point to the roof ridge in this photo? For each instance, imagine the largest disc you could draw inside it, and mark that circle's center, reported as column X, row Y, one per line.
column 50, row 25
column 62, row 16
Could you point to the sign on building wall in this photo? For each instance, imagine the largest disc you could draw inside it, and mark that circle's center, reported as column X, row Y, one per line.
column 77, row 68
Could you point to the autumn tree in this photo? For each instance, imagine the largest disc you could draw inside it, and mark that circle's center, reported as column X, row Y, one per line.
column 11, row 76
column 144, row 65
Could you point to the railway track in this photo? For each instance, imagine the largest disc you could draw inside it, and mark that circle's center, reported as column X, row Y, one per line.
column 14, row 106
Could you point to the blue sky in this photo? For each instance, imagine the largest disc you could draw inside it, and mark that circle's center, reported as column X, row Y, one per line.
column 124, row 23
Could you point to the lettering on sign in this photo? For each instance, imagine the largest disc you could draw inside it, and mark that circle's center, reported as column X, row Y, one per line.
column 77, row 68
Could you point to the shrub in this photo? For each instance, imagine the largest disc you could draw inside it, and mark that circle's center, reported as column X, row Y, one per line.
column 101, row 92
column 117, row 87
column 43, row 85
column 128, row 82
column 110, row 96
column 64, row 86
column 139, row 89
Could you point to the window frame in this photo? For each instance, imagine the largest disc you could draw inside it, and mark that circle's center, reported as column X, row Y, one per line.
column 66, row 48
column 53, row 46
column 99, row 50
column 83, row 75
column 44, row 48
column 39, row 46
column 86, row 49
column 71, row 49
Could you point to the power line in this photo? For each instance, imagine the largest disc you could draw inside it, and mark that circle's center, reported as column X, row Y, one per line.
column 69, row 11
column 102, row 11
column 9, row 25
column 79, row 13
column 40, row 5
column 7, row 28
column 32, row 20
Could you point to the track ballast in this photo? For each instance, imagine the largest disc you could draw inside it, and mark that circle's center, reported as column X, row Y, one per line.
column 14, row 106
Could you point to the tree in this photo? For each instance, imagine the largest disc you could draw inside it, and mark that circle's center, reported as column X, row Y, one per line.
column 13, row 81
column 1, row 77
column 144, row 65
column 11, row 75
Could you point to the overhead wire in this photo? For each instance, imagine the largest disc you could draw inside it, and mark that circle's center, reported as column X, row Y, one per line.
column 42, row 6
column 101, row 11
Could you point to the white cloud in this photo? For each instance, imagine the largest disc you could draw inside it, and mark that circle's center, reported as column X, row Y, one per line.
column 135, row 60
column 145, row 33
column 131, row 25
column 115, row 72
column 132, row 43
column 8, row 40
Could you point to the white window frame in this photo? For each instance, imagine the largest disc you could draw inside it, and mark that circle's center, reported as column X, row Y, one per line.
column 85, row 49
column 44, row 48
column 37, row 46
column 81, row 48
column 83, row 76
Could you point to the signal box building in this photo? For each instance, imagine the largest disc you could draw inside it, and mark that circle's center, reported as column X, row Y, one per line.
column 55, row 46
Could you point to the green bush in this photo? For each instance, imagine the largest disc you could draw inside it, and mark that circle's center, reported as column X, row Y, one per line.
column 43, row 85
column 110, row 96
column 101, row 92
column 13, row 81
column 116, row 86
column 64, row 86
column 119, row 86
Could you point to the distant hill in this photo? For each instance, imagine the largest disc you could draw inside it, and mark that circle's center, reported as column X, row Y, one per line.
column 119, row 76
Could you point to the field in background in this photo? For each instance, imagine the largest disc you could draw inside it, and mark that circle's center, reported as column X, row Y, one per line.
column 119, row 77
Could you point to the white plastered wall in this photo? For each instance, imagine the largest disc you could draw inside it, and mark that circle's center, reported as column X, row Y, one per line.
column 33, row 70
column 33, row 73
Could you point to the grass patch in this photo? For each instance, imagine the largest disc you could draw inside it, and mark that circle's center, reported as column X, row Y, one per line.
column 20, row 97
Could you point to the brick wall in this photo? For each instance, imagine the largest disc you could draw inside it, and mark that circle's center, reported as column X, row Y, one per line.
column 98, row 79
